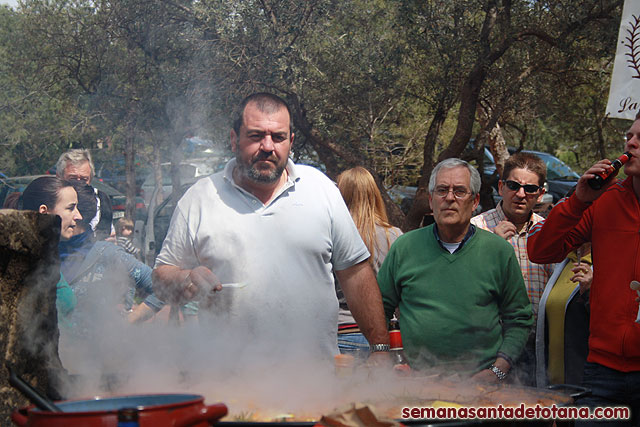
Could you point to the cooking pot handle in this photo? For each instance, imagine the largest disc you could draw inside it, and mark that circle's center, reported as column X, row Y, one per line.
column 574, row 391
column 211, row 413
column 19, row 418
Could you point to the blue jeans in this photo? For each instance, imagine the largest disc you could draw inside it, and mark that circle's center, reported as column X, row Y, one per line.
column 611, row 388
column 355, row 344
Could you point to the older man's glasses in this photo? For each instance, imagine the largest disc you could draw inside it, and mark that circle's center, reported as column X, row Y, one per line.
column 458, row 193
column 528, row 188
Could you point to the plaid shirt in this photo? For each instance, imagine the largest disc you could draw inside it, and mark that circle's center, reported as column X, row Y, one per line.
column 535, row 276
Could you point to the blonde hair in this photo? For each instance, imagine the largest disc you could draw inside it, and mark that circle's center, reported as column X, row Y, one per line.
column 122, row 224
column 361, row 194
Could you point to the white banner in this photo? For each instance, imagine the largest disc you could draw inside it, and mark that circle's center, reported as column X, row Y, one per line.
column 624, row 94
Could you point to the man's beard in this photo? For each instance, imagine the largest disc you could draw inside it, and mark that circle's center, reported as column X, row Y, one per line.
column 261, row 175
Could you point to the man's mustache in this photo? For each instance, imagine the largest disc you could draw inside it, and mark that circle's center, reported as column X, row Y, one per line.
column 262, row 156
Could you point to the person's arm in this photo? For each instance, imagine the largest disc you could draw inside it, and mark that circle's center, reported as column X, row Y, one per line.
column 389, row 289
column 515, row 309
column 140, row 273
column 363, row 297
column 517, row 320
column 130, row 247
column 489, row 376
column 178, row 286
column 569, row 223
column 141, row 313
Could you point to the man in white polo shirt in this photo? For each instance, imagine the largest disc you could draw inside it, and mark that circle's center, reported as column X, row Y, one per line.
column 277, row 229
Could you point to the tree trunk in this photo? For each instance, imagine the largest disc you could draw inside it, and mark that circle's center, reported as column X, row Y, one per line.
column 176, row 160
column 130, row 174
column 329, row 151
column 420, row 206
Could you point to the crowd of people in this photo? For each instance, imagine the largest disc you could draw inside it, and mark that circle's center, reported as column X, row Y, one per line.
column 503, row 296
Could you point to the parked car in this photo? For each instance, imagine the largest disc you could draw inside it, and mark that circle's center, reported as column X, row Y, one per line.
column 113, row 173
column 118, row 204
column 190, row 172
column 150, row 233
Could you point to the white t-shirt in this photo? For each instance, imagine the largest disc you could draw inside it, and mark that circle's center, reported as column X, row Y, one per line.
column 284, row 251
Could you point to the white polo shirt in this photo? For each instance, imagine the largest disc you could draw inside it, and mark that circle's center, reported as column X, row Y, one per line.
column 284, row 251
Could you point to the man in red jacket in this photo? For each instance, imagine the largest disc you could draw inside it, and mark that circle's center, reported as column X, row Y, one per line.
column 610, row 219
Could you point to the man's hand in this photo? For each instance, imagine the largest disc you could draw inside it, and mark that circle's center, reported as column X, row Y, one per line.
column 584, row 192
column 485, row 376
column 140, row 313
column 200, row 284
column 379, row 358
column 177, row 286
column 505, row 229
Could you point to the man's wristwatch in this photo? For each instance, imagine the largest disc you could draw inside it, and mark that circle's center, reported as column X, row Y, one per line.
column 379, row 347
column 499, row 372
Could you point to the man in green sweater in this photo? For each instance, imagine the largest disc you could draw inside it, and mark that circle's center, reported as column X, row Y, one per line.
column 459, row 289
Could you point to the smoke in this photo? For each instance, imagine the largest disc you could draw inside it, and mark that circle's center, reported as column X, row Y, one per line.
column 250, row 372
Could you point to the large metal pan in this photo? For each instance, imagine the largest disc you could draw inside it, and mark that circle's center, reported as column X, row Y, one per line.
column 153, row 410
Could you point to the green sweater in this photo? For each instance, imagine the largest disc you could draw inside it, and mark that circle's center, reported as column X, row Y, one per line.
column 457, row 310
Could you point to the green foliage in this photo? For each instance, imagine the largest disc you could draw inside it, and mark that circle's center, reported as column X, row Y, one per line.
column 366, row 78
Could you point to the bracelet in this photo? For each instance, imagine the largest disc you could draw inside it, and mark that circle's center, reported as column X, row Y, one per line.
column 499, row 372
column 379, row 347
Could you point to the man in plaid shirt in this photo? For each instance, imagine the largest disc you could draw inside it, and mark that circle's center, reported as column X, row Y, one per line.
column 522, row 187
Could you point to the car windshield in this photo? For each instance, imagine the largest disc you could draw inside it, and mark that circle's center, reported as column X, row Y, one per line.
column 557, row 169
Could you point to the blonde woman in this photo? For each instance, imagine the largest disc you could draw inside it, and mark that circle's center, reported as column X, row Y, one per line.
column 361, row 194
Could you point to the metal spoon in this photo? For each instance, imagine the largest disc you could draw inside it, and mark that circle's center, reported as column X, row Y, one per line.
column 233, row 285
column 34, row 396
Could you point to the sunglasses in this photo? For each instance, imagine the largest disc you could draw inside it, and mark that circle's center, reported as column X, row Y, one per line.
column 528, row 188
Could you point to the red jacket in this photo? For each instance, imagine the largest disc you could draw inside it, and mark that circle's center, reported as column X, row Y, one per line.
column 612, row 224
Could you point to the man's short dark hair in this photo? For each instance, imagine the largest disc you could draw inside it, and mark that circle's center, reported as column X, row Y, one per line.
column 527, row 161
column 266, row 102
column 637, row 115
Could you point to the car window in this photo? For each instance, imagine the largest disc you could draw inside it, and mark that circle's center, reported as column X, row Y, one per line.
column 557, row 169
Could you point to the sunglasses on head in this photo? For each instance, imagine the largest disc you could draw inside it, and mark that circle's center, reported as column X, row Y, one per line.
column 528, row 188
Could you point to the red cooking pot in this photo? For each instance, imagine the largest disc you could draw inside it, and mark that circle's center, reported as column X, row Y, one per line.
column 175, row 410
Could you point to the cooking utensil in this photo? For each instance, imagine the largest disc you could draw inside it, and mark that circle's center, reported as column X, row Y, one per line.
column 233, row 285
column 574, row 391
column 179, row 410
column 635, row 285
column 34, row 396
